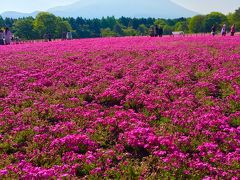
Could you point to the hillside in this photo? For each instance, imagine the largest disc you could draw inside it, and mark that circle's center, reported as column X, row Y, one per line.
column 96, row 9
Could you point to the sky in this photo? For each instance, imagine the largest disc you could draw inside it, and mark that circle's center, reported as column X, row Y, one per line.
column 200, row 6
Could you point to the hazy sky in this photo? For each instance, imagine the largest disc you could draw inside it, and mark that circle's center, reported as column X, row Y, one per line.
column 206, row 6
column 202, row 6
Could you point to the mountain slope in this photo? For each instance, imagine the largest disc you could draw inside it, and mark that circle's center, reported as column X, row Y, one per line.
column 129, row 8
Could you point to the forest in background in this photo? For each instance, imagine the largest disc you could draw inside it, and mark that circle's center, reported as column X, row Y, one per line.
column 34, row 28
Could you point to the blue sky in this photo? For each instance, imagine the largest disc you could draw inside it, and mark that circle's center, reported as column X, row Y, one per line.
column 202, row 6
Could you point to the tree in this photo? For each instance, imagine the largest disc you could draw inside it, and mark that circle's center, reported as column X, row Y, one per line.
column 45, row 23
column 124, row 21
column 143, row 30
column 9, row 22
column 167, row 30
column 62, row 26
column 236, row 18
column 160, row 22
column 95, row 26
column 118, row 29
column 2, row 24
column 130, row 32
column 196, row 24
column 107, row 32
column 84, row 31
column 24, row 28
column 214, row 18
column 108, row 22
column 182, row 26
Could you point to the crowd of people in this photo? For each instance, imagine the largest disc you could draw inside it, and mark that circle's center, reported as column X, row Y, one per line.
column 155, row 31
column 224, row 30
column 5, row 36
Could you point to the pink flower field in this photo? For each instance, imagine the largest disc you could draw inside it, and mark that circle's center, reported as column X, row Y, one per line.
column 121, row 108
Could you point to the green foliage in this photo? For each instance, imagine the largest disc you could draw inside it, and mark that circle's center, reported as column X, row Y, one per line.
column 236, row 18
column 62, row 26
column 24, row 28
column 214, row 18
column 45, row 23
column 107, row 32
column 161, row 120
column 6, row 147
column 2, row 23
column 226, row 89
column 235, row 122
column 142, row 29
column 182, row 26
column 196, row 24
column 130, row 32
column 23, row 136
column 118, row 29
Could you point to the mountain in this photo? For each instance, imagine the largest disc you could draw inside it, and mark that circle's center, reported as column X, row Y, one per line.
column 127, row 8
column 14, row 14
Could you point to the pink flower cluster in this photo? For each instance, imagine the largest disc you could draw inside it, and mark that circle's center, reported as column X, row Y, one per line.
column 133, row 107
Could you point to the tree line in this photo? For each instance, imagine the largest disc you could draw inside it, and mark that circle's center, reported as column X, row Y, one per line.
column 35, row 28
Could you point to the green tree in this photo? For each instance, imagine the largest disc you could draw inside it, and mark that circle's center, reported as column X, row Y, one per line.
column 160, row 22
column 23, row 28
column 118, row 29
column 214, row 18
column 182, row 26
column 142, row 29
column 8, row 22
column 236, row 18
column 108, row 22
column 62, row 26
column 196, row 24
column 45, row 23
column 107, row 32
column 167, row 30
column 130, row 32
column 84, row 31
column 2, row 24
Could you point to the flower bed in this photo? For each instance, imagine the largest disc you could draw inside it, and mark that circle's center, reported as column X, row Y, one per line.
column 136, row 108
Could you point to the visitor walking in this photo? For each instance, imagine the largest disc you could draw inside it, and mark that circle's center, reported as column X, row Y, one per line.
column 69, row 36
column 1, row 37
column 8, row 36
column 233, row 30
column 49, row 36
column 213, row 30
column 224, row 30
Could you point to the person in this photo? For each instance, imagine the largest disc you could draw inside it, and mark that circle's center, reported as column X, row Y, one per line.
column 224, row 30
column 1, row 37
column 213, row 30
column 69, row 36
column 8, row 36
column 49, row 36
column 233, row 30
